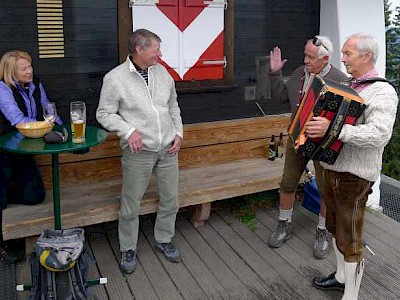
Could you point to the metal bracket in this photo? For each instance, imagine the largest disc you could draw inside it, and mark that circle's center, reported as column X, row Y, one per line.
column 217, row 3
column 142, row 2
column 222, row 62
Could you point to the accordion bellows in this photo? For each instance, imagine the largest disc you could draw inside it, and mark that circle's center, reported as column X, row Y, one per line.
column 334, row 101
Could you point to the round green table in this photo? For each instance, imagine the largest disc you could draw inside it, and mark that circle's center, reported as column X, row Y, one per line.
column 16, row 143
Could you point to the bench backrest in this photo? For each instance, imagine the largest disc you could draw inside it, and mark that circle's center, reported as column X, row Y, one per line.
column 204, row 144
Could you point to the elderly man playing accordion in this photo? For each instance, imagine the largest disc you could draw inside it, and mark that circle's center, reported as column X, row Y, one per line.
column 347, row 182
column 317, row 54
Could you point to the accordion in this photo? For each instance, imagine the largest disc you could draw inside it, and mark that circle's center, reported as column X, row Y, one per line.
column 325, row 98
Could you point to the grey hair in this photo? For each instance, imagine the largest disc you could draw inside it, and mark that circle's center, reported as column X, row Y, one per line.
column 366, row 42
column 142, row 38
column 325, row 42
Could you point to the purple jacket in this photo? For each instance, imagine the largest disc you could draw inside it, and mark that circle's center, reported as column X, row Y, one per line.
column 9, row 106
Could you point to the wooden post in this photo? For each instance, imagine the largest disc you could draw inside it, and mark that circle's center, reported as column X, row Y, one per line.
column 124, row 28
column 30, row 244
column 200, row 214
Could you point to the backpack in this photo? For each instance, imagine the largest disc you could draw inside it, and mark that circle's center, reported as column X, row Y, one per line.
column 60, row 265
column 312, row 198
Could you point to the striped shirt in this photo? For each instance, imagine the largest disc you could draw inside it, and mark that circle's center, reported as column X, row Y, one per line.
column 143, row 72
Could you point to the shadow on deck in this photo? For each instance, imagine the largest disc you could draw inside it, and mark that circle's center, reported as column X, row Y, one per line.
column 225, row 260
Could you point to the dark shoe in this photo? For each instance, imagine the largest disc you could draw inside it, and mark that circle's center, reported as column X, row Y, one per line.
column 6, row 255
column 321, row 244
column 128, row 261
column 169, row 251
column 328, row 283
column 281, row 234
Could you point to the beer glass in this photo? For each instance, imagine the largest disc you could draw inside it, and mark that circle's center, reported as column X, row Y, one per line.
column 78, row 121
column 50, row 112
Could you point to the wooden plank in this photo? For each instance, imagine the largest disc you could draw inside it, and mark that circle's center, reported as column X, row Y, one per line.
column 383, row 260
column 109, row 148
column 195, row 135
column 98, row 290
column 305, row 228
column 384, row 223
column 186, row 285
column 95, row 170
column 211, row 133
column 382, row 243
column 260, row 268
column 23, row 272
column 252, row 281
column 106, row 261
column 84, row 172
column 222, row 153
column 294, row 250
column 292, row 277
column 138, row 281
column 158, row 276
column 234, row 288
column 99, row 202
column 203, row 275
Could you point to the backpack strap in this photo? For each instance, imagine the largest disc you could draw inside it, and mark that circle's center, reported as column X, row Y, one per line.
column 49, row 284
column 78, row 289
column 36, row 277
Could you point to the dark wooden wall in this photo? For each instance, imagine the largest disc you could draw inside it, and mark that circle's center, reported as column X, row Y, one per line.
column 91, row 47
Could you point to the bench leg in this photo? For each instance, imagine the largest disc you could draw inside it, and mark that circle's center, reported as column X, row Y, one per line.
column 200, row 214
column 30, row 244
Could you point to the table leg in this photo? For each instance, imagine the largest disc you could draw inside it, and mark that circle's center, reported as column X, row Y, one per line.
column 56, row 192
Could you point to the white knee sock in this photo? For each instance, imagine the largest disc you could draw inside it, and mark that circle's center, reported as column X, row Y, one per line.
column 339, row 263
column 285, row 214
column 321, row 222
column 353, row 274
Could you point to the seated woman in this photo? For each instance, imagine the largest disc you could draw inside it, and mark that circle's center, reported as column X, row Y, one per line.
column 22, row 98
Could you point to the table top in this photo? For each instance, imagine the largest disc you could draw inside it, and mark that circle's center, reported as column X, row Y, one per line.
column 15, row 142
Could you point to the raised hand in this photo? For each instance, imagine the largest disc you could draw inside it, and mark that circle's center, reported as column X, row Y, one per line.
column 275, row 60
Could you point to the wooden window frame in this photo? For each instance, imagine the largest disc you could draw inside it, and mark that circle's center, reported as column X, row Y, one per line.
column 125, row 28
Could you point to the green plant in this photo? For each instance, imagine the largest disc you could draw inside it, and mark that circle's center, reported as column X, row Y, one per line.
column 391, row 161
column 244, row 207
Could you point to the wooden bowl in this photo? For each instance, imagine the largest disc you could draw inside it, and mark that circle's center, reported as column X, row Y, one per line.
column 34, row 129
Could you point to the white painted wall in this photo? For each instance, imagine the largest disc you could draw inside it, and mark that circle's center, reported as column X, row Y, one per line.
column 341, row 18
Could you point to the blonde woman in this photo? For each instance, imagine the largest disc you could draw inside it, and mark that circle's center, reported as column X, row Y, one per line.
column 22, row 97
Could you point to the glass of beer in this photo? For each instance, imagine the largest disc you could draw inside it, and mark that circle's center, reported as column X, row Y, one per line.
column 78, row 121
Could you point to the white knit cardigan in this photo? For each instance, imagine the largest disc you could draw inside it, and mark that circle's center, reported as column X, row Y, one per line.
column 364, row 143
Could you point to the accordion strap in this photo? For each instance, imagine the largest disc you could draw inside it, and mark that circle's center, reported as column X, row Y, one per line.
column 374, row 79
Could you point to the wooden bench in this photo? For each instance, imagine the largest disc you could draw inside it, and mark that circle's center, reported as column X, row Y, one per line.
column 218, row 160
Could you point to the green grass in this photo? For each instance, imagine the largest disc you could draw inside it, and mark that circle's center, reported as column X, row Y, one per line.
column 244, row 207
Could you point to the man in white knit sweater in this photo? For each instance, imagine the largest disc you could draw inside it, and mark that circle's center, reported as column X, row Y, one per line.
column 138, row 100
column 347, row 183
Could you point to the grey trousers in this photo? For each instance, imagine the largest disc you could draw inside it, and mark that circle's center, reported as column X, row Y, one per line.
column 136, row 173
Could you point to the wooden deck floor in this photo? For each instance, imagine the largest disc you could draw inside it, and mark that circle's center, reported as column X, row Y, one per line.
column 225, row 260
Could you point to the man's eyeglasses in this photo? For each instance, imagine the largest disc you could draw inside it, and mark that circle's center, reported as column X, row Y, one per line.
column 317, row 42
